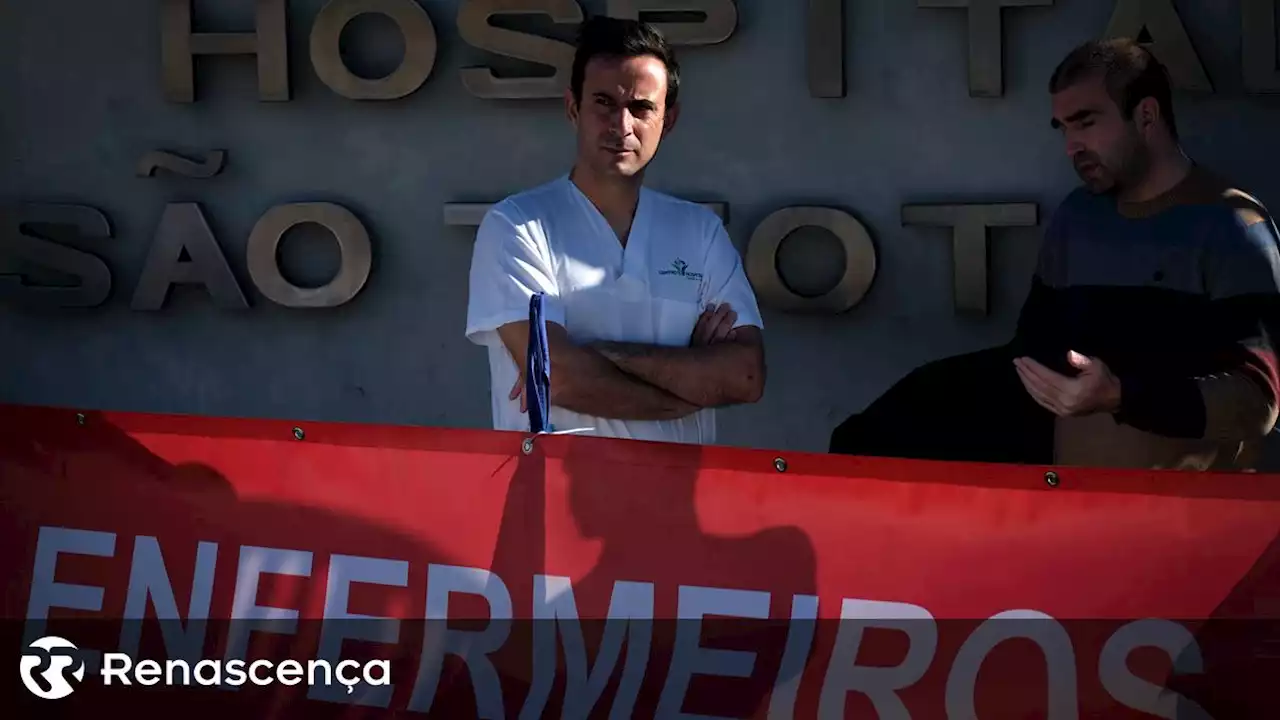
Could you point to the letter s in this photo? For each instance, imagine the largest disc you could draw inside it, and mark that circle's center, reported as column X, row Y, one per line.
column 235, row 672
column 78, row 222
column 474, row 27
column 1139, row 694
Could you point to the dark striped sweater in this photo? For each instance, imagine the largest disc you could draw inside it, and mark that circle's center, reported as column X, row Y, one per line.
column 1180, row 297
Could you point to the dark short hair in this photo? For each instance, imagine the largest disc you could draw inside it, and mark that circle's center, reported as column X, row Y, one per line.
column 616, row 37
column 1130, row 72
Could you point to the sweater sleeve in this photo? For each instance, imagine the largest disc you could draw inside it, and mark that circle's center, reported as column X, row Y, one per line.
column 1038, row 333
column 1237, row 400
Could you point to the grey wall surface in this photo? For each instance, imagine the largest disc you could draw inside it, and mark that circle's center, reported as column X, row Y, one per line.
column 83, row 102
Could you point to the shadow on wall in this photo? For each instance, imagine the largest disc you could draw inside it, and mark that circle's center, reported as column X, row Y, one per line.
column 986, row 416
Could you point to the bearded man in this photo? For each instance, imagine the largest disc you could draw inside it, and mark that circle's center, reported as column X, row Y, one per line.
column 1147, row 338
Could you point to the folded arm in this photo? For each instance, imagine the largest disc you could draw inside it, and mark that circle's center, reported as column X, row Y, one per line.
column 1236, row 400
column 725, row 373
column 1235, row 404
column 584, row 381
column 723, row 362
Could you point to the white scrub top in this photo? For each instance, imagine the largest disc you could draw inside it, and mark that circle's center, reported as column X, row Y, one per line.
column 677, row 261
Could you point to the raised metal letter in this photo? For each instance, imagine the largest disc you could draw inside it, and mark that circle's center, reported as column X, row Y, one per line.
column 1258, row 45
column 419, row 48
column 178, row 165
column 859, row 260
column 720, row 18
column 824, row 50
column 179, row 46
column 183, row 227
column 474, row 27
column 23, row 243
column 353, row 244
column 969, row 241
column 986, row 40
column 1169, row 40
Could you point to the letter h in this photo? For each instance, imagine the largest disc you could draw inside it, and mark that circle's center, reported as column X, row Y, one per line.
column 179, row 46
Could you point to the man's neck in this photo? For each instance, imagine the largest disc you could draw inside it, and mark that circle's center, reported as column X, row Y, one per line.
column 1167, row 171
column 616, row 198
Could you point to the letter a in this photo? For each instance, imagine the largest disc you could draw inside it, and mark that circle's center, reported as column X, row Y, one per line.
column 1168, row 39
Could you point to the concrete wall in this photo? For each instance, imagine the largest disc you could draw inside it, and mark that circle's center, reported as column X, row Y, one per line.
column 83, row 102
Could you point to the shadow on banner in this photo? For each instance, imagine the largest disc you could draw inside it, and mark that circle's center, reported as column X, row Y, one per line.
column 140, row 536
column 732, row 576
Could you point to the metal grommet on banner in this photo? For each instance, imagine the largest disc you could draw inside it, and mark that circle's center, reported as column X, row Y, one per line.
column 298, row 434
column 80, row 419
column 527, row 445
column 780, row 464
column 1051, row 478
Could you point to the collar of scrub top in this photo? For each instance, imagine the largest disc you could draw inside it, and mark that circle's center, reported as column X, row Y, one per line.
column 629, row 282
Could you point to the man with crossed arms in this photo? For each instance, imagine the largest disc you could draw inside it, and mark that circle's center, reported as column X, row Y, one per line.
column 651, row 322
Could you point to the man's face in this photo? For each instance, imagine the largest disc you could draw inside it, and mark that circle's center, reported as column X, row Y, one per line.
column 1105, row 148
column 623, row 114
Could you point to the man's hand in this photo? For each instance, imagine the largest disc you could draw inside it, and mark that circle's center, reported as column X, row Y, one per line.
column 714, row 325
column 1094, row 390
column 517, row 391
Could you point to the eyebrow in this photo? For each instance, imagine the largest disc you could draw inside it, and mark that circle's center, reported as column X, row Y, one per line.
column 637, row 103
column 1073, row 118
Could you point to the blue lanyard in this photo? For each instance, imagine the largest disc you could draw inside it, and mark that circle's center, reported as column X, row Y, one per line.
column 537, row 381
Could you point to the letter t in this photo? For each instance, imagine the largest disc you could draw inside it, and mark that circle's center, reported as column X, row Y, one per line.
column 986, row 40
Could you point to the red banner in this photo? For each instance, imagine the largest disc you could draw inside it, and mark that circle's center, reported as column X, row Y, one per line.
column 589, row 577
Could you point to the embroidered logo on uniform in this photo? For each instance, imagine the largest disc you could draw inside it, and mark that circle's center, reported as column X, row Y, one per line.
column 681, row 268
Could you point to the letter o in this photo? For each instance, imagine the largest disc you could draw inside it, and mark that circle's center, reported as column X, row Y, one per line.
column 419, row 48
column 353, row 244
column 1042, row 629
column 859, row 258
